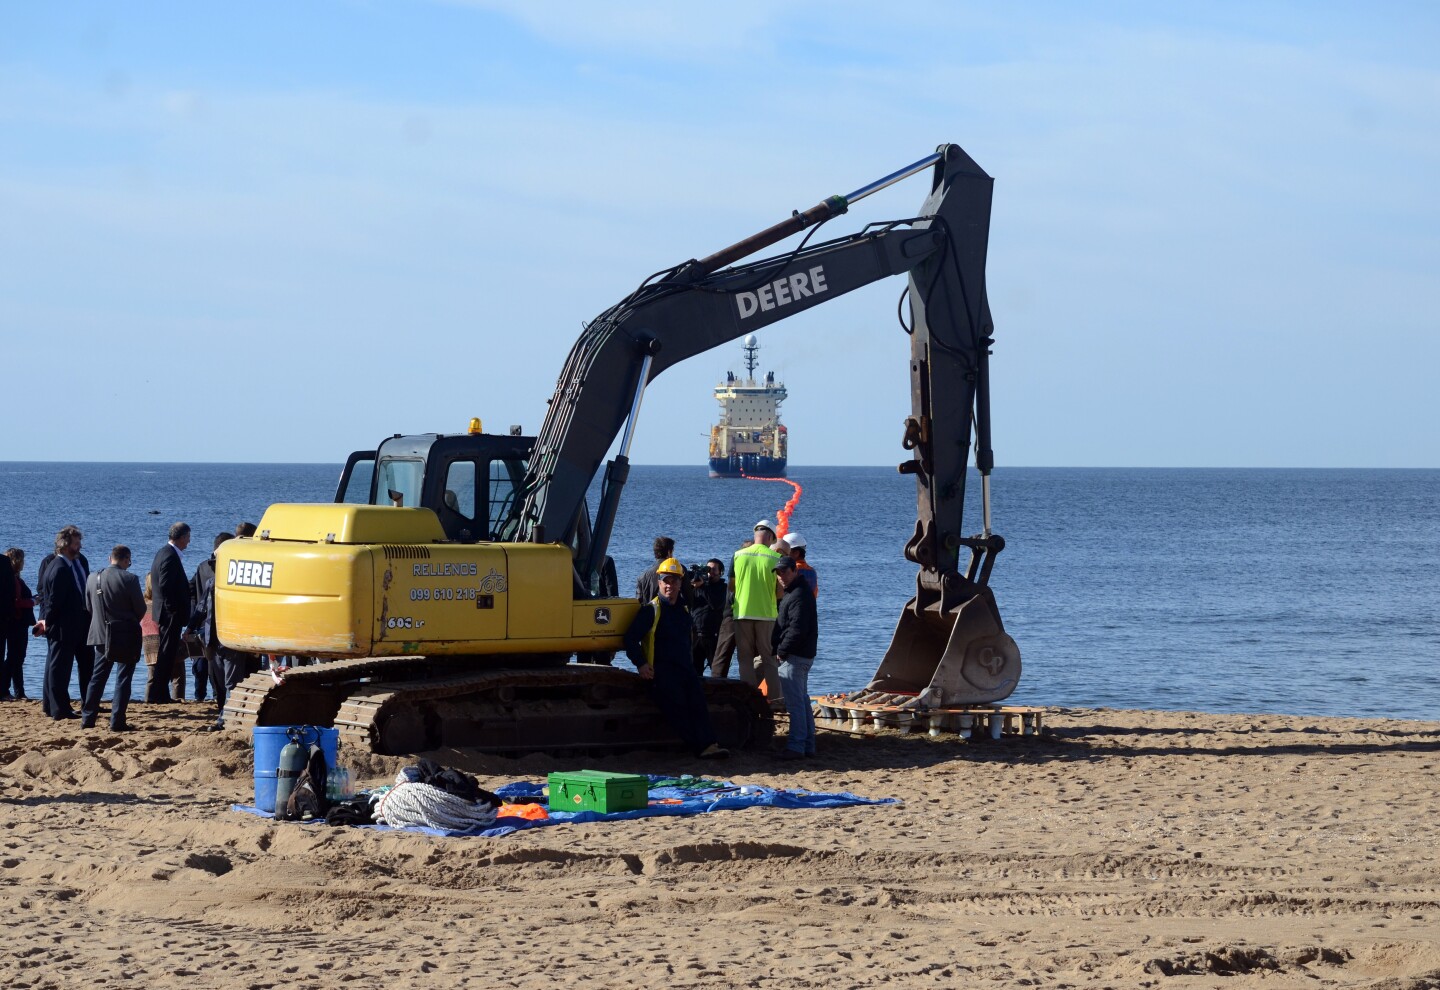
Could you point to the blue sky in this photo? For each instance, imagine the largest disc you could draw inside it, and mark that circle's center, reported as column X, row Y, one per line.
column 279, row 232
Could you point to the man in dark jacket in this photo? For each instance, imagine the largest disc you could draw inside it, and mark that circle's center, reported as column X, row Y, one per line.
column 171, row 610
column 65, row 621
column 658, row 641
column 227, row 667
column 795, row 637
column 116, row 607
column 647, row 585
column 707, row 608
column 208, row 668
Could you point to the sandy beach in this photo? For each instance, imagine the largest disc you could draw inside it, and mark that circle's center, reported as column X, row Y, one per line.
column 1121, row 849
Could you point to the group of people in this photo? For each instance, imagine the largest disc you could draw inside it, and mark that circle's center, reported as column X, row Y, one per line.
column 765, row 613
column 100, row 622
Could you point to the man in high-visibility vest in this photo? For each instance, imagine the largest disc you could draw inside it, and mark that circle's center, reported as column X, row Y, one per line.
column 658, row 641
column 755, row 609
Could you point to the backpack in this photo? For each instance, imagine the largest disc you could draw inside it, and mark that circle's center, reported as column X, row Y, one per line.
column 308, row 801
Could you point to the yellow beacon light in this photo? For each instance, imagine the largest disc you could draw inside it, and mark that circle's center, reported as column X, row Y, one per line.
column 475, row 426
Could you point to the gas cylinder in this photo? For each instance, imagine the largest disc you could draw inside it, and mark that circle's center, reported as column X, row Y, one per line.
column 292, row 764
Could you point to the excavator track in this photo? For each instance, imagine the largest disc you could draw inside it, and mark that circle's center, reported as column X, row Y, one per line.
column 401, row 705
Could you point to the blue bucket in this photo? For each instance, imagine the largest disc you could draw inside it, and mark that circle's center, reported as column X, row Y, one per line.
column 271, row 739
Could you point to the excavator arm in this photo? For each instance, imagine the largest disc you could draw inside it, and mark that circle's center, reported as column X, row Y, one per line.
column 701, row 304
column 455, row 632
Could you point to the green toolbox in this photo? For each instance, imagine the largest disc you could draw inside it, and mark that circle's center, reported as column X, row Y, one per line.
column 597, row 790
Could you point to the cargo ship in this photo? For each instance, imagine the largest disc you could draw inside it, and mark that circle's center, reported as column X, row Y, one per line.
column 749, row 439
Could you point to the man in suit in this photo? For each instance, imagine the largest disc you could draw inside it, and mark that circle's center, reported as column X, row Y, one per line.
column 65, row 620
column 170, row 610
column 84, row 658
column 116, row 607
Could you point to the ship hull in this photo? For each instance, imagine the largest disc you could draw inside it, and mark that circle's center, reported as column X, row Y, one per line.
column 754, row 465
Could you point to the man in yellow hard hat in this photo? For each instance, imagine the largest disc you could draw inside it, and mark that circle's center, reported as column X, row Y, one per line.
column 658, row 641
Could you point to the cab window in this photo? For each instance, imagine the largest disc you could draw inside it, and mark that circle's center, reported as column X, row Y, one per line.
column 401, row 476
column 355, row 479
column 459, row 494
column 505, row 479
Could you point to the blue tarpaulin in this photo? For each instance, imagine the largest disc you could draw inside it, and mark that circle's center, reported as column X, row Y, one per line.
column 695, row 799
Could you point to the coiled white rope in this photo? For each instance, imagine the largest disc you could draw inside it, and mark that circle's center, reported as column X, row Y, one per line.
column 410, row 803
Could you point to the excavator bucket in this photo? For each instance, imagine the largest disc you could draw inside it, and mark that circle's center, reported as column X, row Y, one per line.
column 948, row 658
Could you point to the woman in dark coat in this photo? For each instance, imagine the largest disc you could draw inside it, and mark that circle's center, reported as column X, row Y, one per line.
column 17, row 617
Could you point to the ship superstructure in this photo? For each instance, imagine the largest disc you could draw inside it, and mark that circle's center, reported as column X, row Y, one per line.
column 749, row 438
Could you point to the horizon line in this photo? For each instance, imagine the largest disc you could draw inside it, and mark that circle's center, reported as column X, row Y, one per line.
column 703, row 467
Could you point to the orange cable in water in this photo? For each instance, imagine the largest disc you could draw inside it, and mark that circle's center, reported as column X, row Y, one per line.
column 782, row 518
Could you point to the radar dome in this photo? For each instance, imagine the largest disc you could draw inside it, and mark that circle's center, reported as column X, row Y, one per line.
column 750, row 341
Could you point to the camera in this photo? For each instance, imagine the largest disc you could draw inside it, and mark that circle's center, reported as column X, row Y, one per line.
column 697, row 574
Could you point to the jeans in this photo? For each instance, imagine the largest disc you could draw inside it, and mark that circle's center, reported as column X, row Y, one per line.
column 227, row 669
column 200, row 668
column 795, row 686
column 215, row 665
column 119, row 701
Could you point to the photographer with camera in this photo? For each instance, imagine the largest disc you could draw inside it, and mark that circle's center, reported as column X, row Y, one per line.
column 647, row 586
column 707, row 607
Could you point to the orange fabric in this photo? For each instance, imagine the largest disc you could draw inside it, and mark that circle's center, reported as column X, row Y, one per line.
column 800, row 565
column 534, row 812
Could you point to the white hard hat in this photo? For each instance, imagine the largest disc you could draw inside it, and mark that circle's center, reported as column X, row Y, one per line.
column 794, row 540
column 765, row 524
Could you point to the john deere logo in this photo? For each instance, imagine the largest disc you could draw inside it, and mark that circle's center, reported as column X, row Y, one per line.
column 602, row 616
column 250, row 573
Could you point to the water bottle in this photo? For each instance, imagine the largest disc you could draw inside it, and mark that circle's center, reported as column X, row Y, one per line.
column 337, row 785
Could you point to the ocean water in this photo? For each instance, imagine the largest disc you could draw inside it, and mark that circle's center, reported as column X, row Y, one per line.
column 1290, row 591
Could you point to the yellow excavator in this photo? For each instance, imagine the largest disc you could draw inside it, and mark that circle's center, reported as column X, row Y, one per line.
column 458, row 593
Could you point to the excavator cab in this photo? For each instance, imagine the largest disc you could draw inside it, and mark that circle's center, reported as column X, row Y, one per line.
column 468, row 480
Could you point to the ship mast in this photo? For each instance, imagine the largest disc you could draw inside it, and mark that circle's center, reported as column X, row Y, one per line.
column 752, row 357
